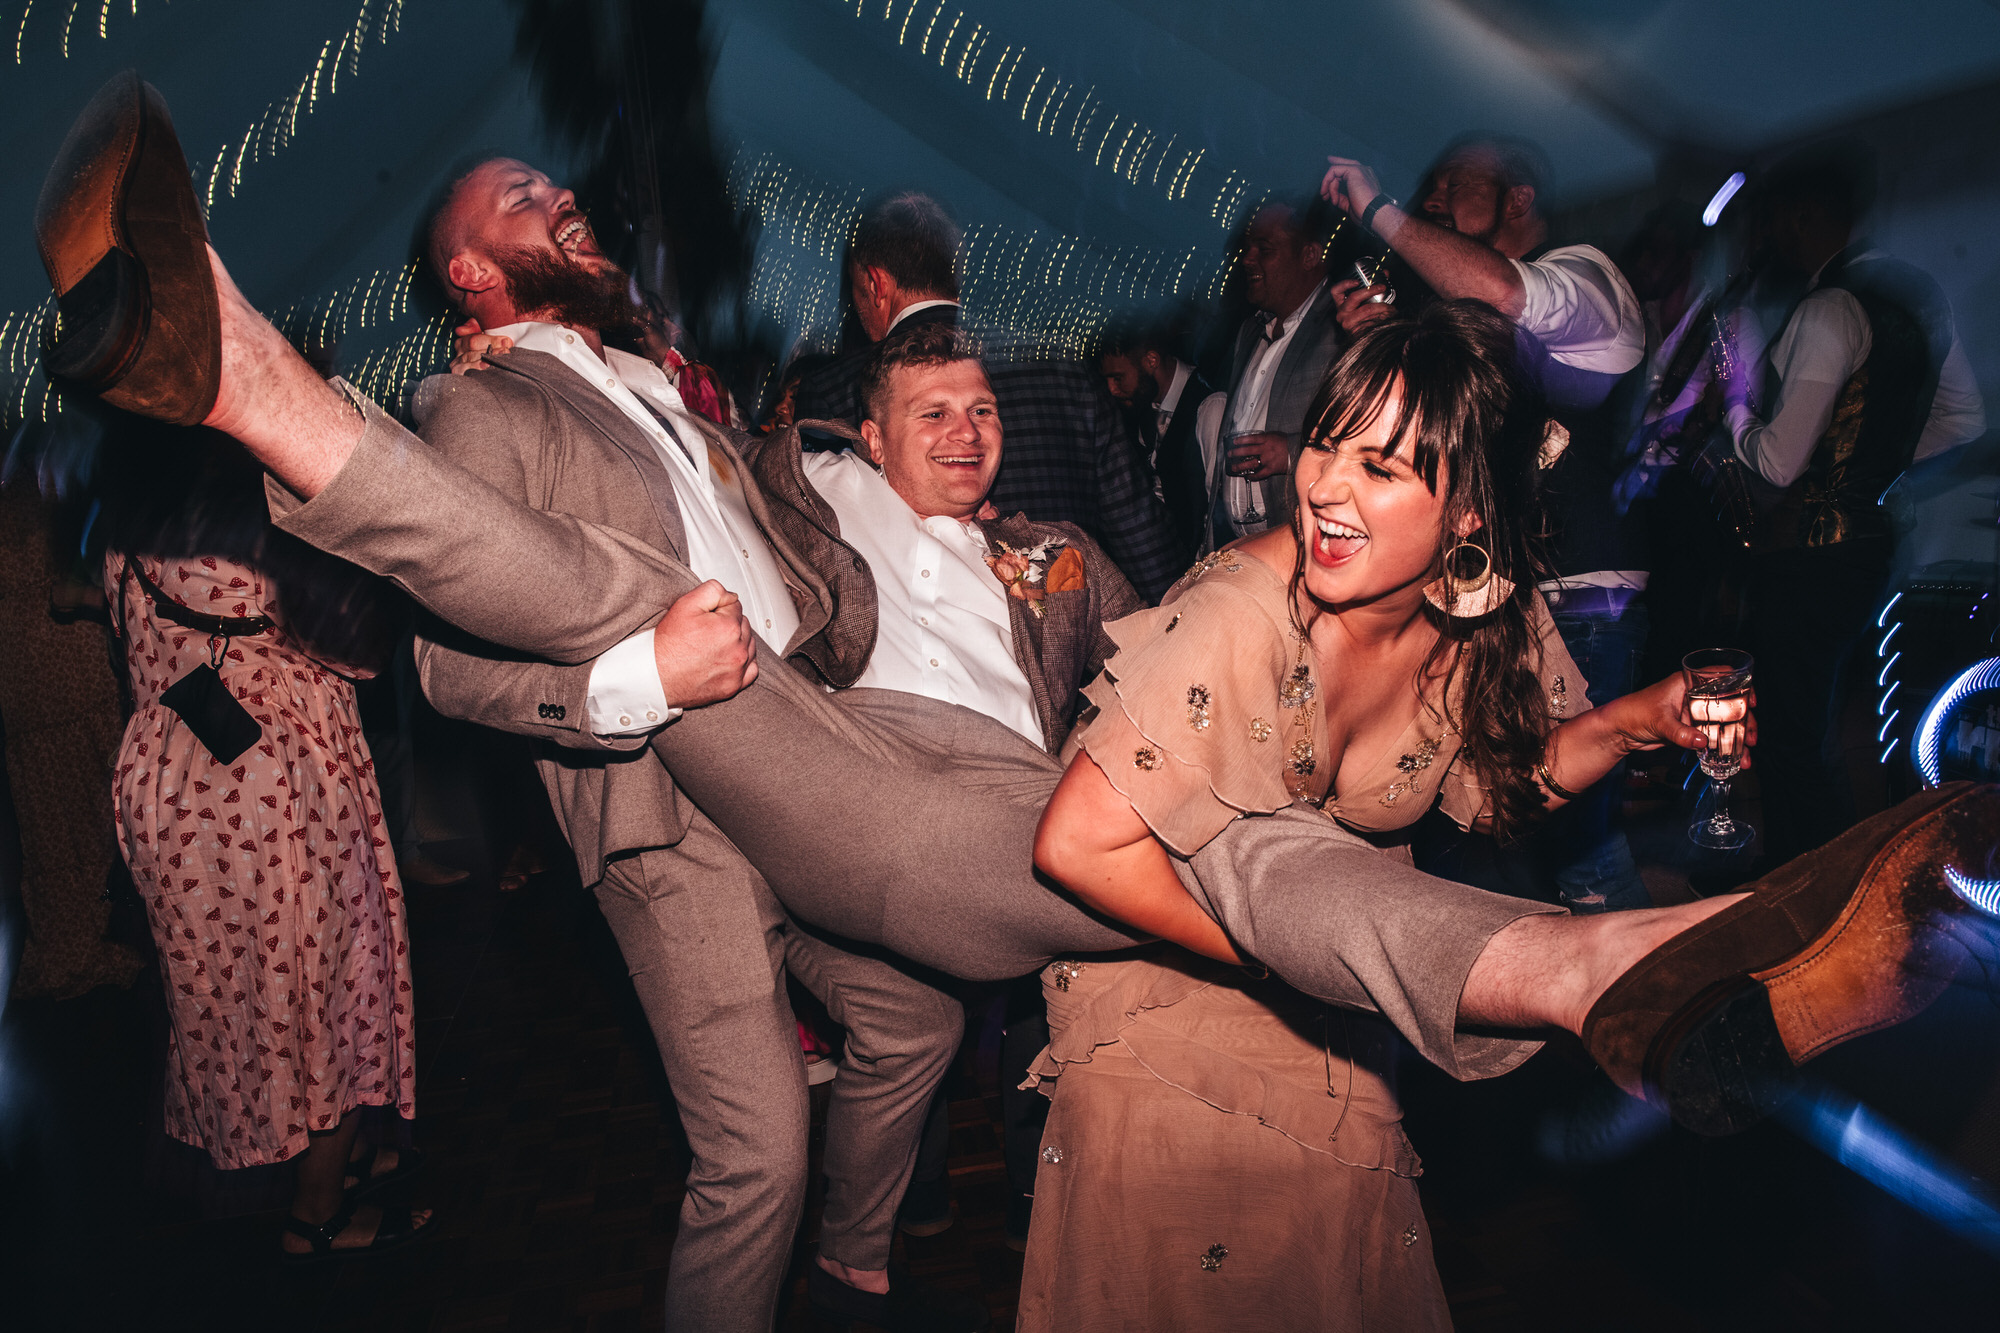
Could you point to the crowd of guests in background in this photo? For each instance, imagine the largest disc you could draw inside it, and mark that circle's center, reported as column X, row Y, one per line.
column 1719, row 432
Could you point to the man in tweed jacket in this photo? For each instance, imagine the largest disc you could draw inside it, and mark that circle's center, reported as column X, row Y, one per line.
column 883, row 543
column 1070, row 457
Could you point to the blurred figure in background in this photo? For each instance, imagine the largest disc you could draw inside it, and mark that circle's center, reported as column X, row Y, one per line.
column 246, row 805
column 1177, row 418
column 784, row 411
column 62, row 714
column 1869, row 376
column 658, row 339
column 1281, row 357
column 1479, row 232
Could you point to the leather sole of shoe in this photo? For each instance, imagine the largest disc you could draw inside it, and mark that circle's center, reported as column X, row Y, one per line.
column 1733, row 1054
column 122, row 237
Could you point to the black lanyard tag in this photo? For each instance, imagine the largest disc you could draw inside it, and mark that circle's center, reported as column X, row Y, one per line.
column 212, row 713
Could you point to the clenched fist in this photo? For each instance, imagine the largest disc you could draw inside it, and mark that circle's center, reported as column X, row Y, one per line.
column 703, row 647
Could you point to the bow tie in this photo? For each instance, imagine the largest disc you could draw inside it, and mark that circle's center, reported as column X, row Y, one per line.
column 1274, row 328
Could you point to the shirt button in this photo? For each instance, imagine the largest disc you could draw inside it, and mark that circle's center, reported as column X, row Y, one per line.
column 767, row 624
column 933, row 661
column 624, row 721
column 927, row 573
column 652, row 715
column 746, row 553
column 923, row 620
column 569, row 337
column 611, row 384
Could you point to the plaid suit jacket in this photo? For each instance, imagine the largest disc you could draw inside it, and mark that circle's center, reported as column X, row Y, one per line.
column 1069, row 458
column 1059, row 651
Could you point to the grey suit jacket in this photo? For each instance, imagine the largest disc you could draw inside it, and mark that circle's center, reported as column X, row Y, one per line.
column 1059, row 651
column 1314, row 347
column 534, row 430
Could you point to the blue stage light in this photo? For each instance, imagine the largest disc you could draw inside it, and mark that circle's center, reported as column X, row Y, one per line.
column 1928, row 742
column 1713, row 213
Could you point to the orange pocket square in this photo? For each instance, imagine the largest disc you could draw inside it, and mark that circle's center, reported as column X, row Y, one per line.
column 1065, row 573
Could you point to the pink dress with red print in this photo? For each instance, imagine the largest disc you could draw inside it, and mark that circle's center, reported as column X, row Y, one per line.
column 271, row 888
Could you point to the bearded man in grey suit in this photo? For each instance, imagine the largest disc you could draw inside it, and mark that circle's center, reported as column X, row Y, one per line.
column 572, row 427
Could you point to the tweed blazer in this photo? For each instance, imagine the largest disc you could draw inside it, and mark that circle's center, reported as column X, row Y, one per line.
column 535, row 430
column 1314, row 347
column 1059, row 651
column 1070, row 455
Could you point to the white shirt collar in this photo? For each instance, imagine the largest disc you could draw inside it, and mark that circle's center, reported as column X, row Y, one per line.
column 1171, row 399
column 1291, row 321
column 909, row 310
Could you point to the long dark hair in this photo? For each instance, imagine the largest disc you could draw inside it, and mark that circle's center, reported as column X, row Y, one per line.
column 181, row 492
column 1454, row 364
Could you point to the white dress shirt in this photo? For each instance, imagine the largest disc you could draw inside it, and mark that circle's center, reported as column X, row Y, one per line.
column 942, row 626
column 1250, row 408
column 1825, row 342
column 1582, row 309
column 723, row 541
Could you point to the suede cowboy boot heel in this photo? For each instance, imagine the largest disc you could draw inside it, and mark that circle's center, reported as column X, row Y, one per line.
column 122, row 237
column 1849, row 939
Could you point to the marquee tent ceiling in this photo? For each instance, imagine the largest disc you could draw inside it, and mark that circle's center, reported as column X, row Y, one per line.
column 1132, row 131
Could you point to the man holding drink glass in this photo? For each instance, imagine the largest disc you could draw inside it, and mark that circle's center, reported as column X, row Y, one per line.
column 1282, row 354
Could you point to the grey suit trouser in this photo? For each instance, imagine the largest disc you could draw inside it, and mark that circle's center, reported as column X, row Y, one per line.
column 890, row 818
column 708, row 947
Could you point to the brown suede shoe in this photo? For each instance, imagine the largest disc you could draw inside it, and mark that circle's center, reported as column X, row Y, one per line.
column 1852, row 938
column 122, row 237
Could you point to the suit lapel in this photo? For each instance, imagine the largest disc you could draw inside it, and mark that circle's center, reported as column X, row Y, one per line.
column 1044, row 645
column 1294, row 380
column 610, row 421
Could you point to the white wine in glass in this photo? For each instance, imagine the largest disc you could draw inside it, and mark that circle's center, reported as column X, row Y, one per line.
column 1718, row 702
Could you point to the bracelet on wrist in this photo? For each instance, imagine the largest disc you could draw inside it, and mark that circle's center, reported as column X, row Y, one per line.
column 1376, row 206
column 1548, row 780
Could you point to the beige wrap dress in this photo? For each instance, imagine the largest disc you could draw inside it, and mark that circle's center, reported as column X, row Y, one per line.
column 1223, row 1152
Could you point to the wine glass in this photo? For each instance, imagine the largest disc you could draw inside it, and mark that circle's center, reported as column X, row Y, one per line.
column 1236, row 438
column 1718, row 702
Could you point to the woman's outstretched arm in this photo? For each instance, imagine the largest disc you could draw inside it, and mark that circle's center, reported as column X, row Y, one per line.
column 1093, row 843
column 1588, row 746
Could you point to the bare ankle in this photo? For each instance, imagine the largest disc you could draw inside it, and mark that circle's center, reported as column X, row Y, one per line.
column 874, row 1280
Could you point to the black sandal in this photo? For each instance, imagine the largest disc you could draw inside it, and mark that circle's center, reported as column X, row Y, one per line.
column 396, row 1228
column 409, row 1163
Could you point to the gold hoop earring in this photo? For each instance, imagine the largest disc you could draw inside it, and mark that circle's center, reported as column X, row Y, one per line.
column 1465, row 595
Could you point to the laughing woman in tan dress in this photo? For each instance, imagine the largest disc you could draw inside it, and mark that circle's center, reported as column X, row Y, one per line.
column 1221, row 1151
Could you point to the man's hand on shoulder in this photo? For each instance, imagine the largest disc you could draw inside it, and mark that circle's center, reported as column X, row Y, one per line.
column 471, row 345
column 704, row 648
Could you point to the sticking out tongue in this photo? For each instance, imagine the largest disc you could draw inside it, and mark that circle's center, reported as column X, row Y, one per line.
column 1340, row 548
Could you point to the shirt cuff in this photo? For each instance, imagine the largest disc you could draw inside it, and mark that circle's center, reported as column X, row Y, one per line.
column 1741, row 422
column 625, row 696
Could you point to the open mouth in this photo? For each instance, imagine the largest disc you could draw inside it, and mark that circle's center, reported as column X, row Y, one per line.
column 573, row 235
column 1336, row 543
column 960, row 460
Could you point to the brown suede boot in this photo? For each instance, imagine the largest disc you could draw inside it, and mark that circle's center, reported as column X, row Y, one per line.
column 1852, row 938
column 122, row 237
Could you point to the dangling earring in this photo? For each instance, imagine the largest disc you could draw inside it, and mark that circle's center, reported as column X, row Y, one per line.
column 1464, row 594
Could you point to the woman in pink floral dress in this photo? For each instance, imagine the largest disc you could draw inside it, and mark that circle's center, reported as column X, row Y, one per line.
column 271, row 888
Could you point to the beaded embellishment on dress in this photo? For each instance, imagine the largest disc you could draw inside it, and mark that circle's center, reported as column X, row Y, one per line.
column 1412, row 766
column 1197, row 697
